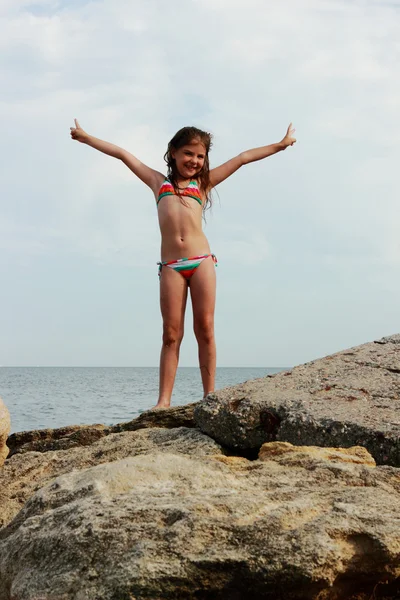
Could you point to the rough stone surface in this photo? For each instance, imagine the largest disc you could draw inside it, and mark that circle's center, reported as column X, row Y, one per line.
column 346, row 399
column 298, row 454
column 5, row 425
column 23, row 474
column 43, row 440
column 295, row 525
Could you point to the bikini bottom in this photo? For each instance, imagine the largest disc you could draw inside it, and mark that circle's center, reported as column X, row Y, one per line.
column 186, row 266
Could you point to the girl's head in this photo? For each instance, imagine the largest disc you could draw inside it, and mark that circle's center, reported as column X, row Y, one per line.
column 187, row 158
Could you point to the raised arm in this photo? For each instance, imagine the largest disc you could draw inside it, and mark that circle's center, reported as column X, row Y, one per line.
column 149, row 176
column 224, row 171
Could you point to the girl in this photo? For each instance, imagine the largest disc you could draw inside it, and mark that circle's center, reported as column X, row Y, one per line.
column 186, row 259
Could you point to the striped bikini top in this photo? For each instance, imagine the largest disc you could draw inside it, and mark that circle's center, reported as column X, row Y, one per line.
column 191, row 191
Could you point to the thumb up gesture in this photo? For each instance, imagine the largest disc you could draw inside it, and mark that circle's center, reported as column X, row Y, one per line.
column 77, row 133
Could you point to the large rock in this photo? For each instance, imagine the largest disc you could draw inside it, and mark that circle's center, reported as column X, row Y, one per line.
column 349, row 398
column 296, row 524
column 25, row 473
column 74, row 436
column 5, row 425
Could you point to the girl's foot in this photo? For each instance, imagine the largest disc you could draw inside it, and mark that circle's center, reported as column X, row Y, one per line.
column 160, row 405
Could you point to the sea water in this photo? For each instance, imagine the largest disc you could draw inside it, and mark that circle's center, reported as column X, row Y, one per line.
column 41, row 397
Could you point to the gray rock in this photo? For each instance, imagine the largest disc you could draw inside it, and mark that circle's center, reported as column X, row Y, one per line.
column 297, row 524
column 346, row 399
column 24, row 474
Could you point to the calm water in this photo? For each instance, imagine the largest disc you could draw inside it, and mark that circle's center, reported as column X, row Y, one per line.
column 40, row 397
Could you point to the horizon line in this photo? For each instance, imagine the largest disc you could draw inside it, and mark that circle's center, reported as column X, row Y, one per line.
column 127, row 367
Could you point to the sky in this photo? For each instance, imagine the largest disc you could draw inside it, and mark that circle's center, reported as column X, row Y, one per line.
column 307, row 241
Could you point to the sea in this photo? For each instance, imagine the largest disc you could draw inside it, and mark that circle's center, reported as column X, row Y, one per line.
column 51, row 397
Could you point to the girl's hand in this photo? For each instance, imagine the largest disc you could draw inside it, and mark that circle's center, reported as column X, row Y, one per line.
column 77, row 133
column 289, row 140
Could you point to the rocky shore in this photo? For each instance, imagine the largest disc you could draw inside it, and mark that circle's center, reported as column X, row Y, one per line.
column 286, row 487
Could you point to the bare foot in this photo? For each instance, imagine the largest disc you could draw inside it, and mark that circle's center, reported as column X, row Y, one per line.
column 160, row 406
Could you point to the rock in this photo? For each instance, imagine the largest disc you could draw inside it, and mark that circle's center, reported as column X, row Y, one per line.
column 44, row 440
column 298, row 454
column 351, row 398
column 23, row 474
column 174, row 416
column 5, row 425
column 299, row 524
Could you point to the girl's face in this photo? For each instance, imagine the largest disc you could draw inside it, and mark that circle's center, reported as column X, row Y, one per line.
column 189, row 159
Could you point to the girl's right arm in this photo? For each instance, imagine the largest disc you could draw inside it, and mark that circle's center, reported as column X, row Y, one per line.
column 149, row 176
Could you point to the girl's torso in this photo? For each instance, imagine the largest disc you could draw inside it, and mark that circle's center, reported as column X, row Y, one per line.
column 180, row 221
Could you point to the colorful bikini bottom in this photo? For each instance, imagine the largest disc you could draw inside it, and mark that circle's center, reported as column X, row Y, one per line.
column 186, row 266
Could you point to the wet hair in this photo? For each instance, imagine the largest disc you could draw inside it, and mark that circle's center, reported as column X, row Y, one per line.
column 184, row 137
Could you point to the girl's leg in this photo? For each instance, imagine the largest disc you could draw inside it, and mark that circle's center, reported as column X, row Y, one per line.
column 202, row 291
column 173, row 296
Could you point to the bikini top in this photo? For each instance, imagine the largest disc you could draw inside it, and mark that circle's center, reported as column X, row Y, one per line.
column 191, row 191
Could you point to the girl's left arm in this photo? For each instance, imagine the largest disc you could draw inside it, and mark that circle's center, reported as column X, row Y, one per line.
column 224, row 171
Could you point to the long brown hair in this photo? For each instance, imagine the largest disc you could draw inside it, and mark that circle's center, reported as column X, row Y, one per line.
column 184, row 137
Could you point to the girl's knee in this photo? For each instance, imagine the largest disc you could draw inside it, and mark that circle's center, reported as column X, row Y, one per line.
column 204, row 330
column 172, row 335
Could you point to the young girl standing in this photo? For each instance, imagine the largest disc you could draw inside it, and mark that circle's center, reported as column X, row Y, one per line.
column 186, row 258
